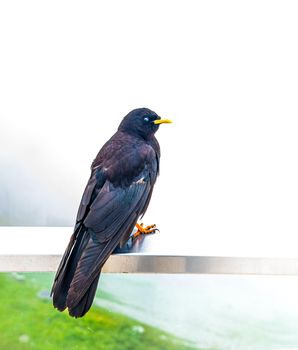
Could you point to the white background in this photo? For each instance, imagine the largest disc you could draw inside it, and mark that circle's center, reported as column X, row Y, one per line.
column 226, row 72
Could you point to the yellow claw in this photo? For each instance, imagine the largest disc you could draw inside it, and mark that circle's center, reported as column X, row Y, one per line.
column 144, row 230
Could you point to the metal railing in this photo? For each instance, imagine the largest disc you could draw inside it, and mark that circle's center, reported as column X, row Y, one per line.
column 40, row 249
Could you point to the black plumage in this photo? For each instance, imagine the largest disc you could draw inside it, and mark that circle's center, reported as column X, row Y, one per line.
column 117, row 194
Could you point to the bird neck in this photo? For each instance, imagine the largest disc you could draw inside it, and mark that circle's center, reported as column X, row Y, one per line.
column 139, row 135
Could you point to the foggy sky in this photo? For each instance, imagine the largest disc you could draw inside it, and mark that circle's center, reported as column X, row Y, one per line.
column 225, row 72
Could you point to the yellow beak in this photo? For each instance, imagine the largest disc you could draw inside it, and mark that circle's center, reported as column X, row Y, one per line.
column 162, row 121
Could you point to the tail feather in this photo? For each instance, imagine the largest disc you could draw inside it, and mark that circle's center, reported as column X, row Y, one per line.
column 79, row 271
column 67, row 270
column 83, row 306
column 62, row 295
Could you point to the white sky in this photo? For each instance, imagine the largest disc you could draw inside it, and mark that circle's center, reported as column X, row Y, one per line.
column 226, row 72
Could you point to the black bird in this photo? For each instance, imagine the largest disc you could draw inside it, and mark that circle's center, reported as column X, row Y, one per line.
column 117, row 194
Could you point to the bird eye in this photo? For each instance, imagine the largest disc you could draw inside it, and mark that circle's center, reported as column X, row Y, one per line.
column 146, row 119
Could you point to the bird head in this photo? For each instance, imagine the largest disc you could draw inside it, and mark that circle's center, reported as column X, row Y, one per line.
column 142, row 121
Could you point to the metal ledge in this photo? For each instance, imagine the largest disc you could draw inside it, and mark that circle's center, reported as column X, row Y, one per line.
column 29, row 249
column 168, row 264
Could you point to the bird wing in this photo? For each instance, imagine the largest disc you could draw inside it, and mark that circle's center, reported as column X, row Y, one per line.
column 113, row 206
column 94, row 185
column 111, row 215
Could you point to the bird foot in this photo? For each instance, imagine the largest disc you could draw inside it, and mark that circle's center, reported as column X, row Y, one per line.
column 144, row 230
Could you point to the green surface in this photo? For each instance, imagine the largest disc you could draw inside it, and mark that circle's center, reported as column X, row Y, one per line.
column 28, row 321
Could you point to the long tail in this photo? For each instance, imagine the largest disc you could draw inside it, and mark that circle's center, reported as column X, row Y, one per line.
column 78, row 273
column 66, row 272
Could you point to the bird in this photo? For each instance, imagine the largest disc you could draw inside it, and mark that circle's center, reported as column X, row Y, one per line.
column 117, row 195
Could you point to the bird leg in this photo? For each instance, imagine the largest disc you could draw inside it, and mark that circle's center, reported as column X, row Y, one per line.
column 144, row 230
column 135, row 239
